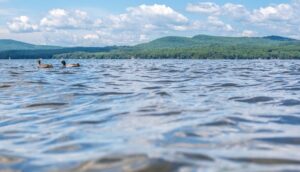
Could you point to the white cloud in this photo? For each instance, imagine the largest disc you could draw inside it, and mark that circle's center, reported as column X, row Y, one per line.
column 217, row 23
column 248, row 33
column 210, row 8
column 156, row 12
column 145, row 22
column 282, row 19
column 143, row 38
column 65, row 37
column 146, row 18
column 57, row 19
column 98, row 23
column 121, row 38
column 63, row 19
column 236, row 11
column 281, row 12
column 138, row 24
column 204, row 7
column 91, row 37
column 274, row 13
column 132, row 26
column 22, row 24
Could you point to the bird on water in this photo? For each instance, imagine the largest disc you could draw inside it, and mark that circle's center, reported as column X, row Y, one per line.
column 69, row 65
column 40, row 65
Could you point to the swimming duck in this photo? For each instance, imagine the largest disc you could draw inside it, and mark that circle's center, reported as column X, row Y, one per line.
column 40, row 65
column 69, row 65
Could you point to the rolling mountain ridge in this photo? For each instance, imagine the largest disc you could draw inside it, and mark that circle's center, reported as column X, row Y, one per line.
column 199, row 46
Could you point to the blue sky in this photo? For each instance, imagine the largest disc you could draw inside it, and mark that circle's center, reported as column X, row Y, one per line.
column 99, row 22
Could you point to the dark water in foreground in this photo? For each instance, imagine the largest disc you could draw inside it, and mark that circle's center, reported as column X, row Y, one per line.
column 150, row 115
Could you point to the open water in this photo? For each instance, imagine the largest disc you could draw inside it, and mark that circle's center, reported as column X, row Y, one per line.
column 150, row 115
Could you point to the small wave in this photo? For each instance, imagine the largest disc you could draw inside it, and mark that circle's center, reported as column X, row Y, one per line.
column 290, row 102
column 154, row 69
column 266, row 161
column 66, row 73
column 255, row 99
column 152, row 88
column 46, row 105
column 218, row 123
column 103, row 94
column 37, row 82
column 92, row 122
column 99, row 110
column 282, row 119
column 69, row 148
column 228, row 85
column 243, row 120
column 14, row 73
column 110, row 75
column 281, row 140
column 114, row 115
column 172, row 71
column 163, row 94
column 130, row 163
column 165, row 113
column 236, row 98
column 242, row 68
column 5, row 86
column 197, row 156
column 171, row 81
column 64, row 149
column 9, row 160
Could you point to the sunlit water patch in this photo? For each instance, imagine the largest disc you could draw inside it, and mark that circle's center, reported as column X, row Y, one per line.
column 150, row 115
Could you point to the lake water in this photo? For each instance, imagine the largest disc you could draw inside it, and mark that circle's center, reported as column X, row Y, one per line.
column 150, row 115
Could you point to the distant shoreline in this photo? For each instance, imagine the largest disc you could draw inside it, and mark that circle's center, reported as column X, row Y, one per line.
column 160, row 59
column 197, row 47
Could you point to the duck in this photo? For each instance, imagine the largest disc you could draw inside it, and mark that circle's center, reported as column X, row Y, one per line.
column 40, row 65
column 69, row 65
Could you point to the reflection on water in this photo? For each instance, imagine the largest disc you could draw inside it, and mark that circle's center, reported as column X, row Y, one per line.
column 150, row 115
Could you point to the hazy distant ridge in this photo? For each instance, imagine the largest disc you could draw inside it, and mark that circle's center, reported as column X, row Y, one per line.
column 7, row 44
column 200, row 46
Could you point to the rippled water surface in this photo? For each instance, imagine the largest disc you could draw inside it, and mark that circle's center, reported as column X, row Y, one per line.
column 150, row 115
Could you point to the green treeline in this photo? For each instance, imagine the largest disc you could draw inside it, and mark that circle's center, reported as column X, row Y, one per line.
column 49, row 53
column 210, row 52
column 203, row 47
column 197, row 47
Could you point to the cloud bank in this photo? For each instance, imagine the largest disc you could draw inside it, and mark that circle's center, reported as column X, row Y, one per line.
column 144, row 22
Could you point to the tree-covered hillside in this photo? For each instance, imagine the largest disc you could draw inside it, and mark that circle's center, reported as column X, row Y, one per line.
column 197, row 47
column 205, row 47
column 7, row 45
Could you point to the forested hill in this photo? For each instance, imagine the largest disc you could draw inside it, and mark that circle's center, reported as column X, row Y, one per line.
column 197, row 47
column 279, row 38
column 7, row 45
column 20, row 50
column 205, row 40
column 205, row 47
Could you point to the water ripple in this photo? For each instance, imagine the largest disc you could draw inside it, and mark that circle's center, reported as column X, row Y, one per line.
column 150, row 115
column 256, row 99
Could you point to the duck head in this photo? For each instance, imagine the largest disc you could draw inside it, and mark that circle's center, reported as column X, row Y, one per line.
column 63, row 63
